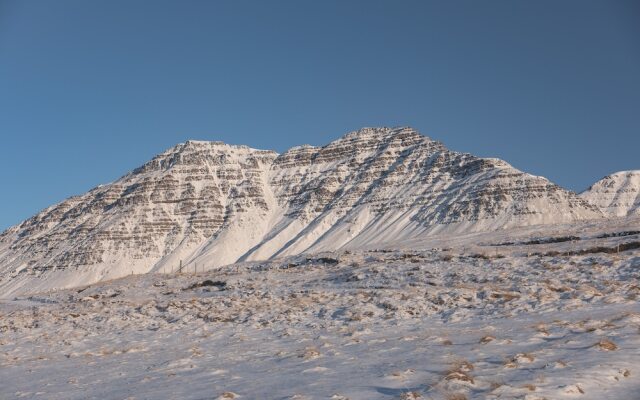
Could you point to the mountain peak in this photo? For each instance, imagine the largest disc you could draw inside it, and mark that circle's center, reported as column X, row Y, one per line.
column 197, row 152
column 196, row 145
column 617, row 194
column 628, row 174
column 381, row 133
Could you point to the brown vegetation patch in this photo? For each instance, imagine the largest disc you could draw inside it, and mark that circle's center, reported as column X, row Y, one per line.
column 459, row 371
column 606, row 344
column 486, row 339
column 456, row 396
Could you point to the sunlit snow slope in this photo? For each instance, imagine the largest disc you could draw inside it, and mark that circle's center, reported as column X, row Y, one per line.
column 617, row 194
column 211, row 204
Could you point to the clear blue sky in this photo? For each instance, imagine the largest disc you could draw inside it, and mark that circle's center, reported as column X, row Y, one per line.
column 92, row 89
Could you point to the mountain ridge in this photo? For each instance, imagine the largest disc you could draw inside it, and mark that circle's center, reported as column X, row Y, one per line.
column 214, row 204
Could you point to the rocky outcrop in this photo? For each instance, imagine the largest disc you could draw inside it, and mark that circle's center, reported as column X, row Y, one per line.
column 211, row 204
column 616, row 194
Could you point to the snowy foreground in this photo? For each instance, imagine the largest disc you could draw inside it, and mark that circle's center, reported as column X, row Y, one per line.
column 520, row 319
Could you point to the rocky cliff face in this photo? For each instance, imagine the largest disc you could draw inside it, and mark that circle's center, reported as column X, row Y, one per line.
column 211, row 204
column 617, row 194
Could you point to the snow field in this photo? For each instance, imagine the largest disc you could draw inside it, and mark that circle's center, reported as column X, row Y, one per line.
column 432, row 324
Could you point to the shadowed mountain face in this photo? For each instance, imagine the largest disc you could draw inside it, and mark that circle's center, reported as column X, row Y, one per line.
column 616, row 194
column 211, row 204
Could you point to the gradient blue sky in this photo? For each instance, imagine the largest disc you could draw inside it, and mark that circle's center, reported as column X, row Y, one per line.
column 92, row 89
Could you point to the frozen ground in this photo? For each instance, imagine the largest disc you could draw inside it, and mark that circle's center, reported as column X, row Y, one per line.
column 548, row 316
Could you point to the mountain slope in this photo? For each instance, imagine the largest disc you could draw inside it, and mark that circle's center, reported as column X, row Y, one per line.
column 616, row 194
column 210, row 204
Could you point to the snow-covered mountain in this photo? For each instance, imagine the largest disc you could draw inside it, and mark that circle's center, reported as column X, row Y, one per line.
column 616, row 194
column 211, row 204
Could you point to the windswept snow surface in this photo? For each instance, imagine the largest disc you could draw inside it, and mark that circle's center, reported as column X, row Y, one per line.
column 531, row 314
